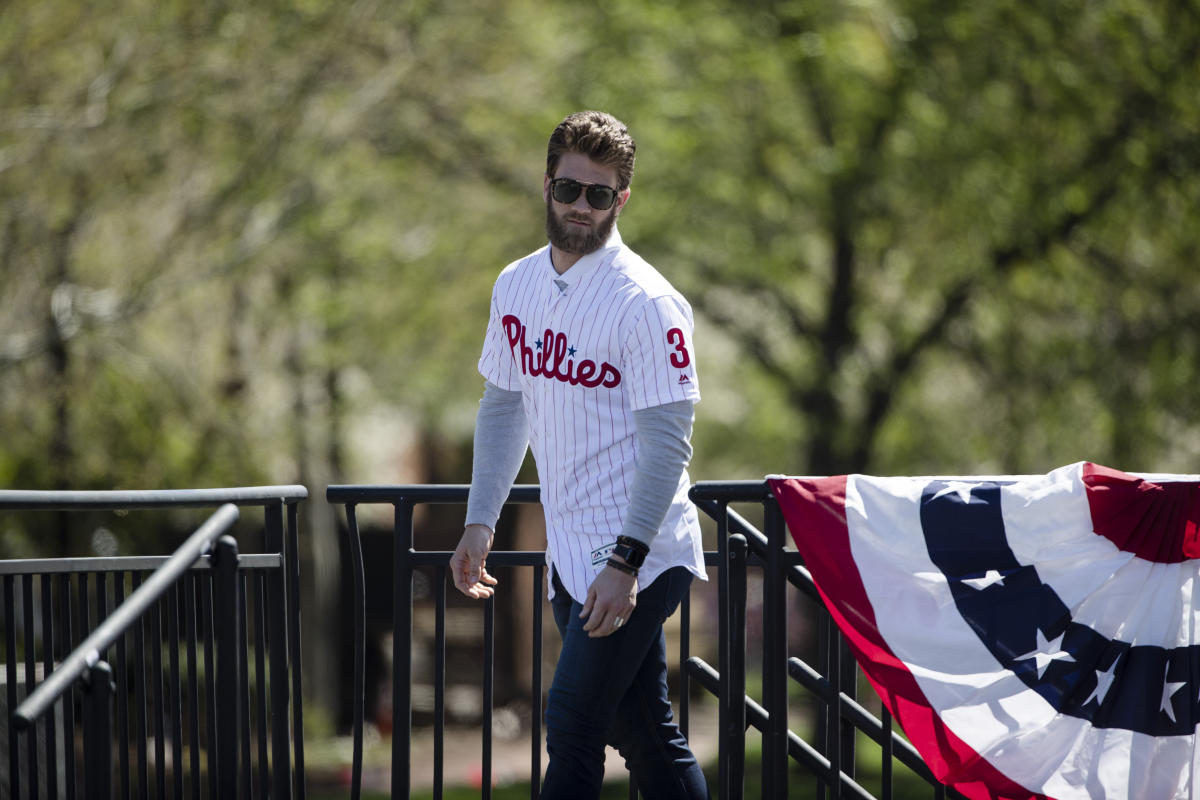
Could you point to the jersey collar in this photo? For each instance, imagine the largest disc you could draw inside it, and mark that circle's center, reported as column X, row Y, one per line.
column 585, row 265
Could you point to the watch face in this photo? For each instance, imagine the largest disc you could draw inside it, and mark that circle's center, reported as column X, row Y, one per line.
column 635, row 558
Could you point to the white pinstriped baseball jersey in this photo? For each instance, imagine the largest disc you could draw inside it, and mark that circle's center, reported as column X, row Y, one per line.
column 586, row 349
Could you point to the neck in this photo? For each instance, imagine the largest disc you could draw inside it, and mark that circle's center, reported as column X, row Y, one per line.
column 563, row 261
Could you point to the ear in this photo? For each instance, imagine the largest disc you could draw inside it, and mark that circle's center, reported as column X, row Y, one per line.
column 623, row 198
column 546, row 188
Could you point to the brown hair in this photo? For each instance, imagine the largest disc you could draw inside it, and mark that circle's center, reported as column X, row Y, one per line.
column 601, row 137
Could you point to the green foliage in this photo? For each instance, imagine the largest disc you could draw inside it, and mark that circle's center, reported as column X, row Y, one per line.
column 237, row 242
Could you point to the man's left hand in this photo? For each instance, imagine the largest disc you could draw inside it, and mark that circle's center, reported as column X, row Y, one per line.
column 610, row 602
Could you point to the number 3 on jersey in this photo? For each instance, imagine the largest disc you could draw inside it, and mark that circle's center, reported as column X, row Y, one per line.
column 680, row 358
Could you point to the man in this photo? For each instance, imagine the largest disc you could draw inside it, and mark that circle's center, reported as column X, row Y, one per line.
column 588, row 360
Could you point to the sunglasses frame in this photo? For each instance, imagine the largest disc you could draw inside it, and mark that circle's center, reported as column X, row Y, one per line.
column 582, row 186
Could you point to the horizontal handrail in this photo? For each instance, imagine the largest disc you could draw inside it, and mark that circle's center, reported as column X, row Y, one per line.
column 420, row 493
column 29, row 499
column 83, row 657
column 731, row 491
column 55, row 566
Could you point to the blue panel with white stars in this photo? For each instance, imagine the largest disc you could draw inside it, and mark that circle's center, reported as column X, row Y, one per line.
column 1029, row 630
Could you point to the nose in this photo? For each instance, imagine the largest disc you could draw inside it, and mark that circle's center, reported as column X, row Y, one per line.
column 581, row 204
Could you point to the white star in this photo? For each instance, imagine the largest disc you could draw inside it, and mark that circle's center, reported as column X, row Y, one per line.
column 989, row 578
column 1169, row 689
column 1103, row 682
column 1047, row 652
column 961, row 488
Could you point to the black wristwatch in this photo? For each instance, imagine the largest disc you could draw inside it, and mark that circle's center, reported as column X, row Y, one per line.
column 630, row 549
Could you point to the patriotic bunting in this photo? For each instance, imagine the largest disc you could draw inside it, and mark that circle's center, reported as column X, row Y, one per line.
column 1034, row 636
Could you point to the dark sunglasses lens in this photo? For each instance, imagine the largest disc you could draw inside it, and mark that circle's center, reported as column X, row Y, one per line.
column 565, row 190
column 601, row 197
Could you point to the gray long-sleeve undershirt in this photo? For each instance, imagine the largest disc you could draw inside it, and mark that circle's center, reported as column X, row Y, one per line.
column 502, row 437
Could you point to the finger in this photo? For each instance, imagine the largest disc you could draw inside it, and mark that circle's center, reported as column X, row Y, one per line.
column 588, row 603
column 596, row 627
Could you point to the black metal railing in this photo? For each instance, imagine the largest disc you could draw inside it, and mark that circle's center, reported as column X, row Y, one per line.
column 741, row 547
column 188, row 689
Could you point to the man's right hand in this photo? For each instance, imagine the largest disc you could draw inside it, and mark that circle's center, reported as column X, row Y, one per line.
column 468, row 564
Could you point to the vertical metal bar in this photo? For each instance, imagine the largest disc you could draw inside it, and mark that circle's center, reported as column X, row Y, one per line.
column 122, row 694
column 402, row 628
column 439, row 682
column 724, row 720
column 260, row 667
column 68, row 706
column 292, row 560
column 535, row 700
column 228, row 614
column 142, row 741
column 685, row 633
column 10, row 674
column 835, row 716
column 886, row 760
column 775, row 755
column 84, row 629
column 849, row 684
column 354, row 543
column 275, row 615
column 735, row 717
column 175, row 690
column 102, row 602
column 823, row 665
column 489, row 675
column 243, row 622
column 207, row 612
column 84, row 621
column 188, row 586
column 48, row 723
column 31, row 754
column 102, row 608
column 97, row 732
column 158, row 690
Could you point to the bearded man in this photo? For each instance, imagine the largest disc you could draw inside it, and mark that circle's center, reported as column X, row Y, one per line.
column 588, row 361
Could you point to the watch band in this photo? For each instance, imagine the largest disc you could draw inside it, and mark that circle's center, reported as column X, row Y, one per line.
column 620, row 566
column 630, row 549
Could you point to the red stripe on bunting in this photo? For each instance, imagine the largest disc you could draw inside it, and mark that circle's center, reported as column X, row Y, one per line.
column 815, row 511
column 1154, row 521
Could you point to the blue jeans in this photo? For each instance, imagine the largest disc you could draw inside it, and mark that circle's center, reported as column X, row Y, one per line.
column 613, row 690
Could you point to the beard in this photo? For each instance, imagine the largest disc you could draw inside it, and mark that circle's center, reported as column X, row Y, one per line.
column 578, row 241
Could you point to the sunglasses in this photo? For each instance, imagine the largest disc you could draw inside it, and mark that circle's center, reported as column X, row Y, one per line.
column 599, row 196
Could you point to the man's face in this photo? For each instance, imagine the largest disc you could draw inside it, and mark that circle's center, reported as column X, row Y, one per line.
column 576, row 227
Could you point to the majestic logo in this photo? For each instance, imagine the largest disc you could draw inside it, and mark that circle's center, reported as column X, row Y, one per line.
column 553, row 358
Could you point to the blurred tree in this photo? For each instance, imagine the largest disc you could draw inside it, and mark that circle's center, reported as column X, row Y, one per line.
column 247, row 243
column 905, row 216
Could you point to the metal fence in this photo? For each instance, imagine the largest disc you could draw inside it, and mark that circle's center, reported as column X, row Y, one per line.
column 742, row 551
column 186, row 687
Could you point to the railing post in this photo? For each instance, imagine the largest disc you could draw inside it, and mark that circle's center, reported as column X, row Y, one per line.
column 293, row 582
column 360, row 648
column 735, row 730
column 97, row 732
column 402, row 629
column 277, row 641
column 228, row 627
column 775, row 754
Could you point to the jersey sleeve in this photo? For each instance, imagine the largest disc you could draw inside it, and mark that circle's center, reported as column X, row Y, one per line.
column 496, row 363
column 658, row 358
